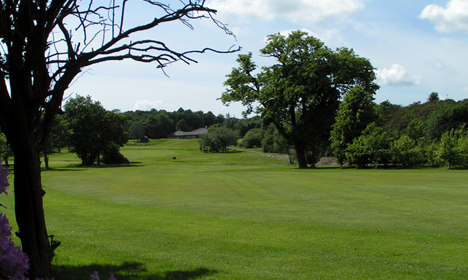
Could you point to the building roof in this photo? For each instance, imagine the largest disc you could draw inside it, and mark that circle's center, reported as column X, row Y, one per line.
column 196, row 132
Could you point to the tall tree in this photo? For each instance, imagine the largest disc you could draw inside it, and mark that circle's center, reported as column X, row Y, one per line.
column 93, row 128
column 355, row 112
column 44, row 45
column 136, row 130
column 300, row 94
column 58, row 139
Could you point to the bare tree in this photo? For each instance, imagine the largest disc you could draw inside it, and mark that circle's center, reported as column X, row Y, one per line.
column 44, row 45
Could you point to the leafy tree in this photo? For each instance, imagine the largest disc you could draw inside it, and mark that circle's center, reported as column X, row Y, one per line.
column 300, row 94
column 150, row 124
column 209, row 119
column 165, row 124
column 415, row 129
column 433, row 97
column 136, row 130
column 354, row 114
column 193, row 120
column 453, row 147
column 93, row 128
column 231, row 123
column 274, row 142
column 182, row 125
column 112, row 155
column 44, row 46
column 373, row 146
column 58, row 139
column 253, row 138
column 406, row 152
column 5, row 150
column 446, row 115
column 431, row 154
column 218, row 139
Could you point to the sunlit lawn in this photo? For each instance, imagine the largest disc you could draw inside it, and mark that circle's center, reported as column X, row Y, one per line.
column 243, row 216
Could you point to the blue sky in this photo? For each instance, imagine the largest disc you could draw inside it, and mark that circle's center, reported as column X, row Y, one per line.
column 417, row 47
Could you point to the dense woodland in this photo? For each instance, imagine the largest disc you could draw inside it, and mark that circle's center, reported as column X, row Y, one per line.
column 404, row 136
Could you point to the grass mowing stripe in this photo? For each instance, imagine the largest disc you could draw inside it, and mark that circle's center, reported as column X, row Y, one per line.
column 243, row 216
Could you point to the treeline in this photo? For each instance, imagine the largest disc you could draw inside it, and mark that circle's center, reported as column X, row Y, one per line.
column 156, row 124
column 423, row 134
column 320, row 101
column 428, row 134
column 96, row 134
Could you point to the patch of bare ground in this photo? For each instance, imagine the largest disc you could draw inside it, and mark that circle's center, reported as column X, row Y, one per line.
column 325, row 161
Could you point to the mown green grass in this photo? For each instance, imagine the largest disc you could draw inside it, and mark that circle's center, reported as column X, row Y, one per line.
column 242, row 216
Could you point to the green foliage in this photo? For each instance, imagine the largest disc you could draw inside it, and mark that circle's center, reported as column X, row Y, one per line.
column 112, row 155
column 440, row 120
column 300, row 94
column 182, row 125
column 453, row 147
column 218, row 139
column 159, row 124
column 355, row 112
column 406, row 152
column 415, row 129
column 396, row 120
column 274, row 142
column 247, row 124
column 373, row 146
column 5, row 150
column 58, row 139
column 431, row 154
column 433, row 97
column 253, row 138
column 93, row 128
column 136, row 130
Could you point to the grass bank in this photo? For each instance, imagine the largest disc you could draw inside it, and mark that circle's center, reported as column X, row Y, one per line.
column 242, row 216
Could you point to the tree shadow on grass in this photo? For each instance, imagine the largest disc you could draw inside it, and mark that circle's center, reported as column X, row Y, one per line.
column 80, row 167
column 133, row 164
column 125, row 271
column 71, row 168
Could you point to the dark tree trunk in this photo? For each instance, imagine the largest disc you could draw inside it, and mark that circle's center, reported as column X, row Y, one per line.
column 29, row 207
column 46, row 159
column 5, row 162
column 301, row 157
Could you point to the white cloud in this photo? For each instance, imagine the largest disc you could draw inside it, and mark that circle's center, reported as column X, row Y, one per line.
column 146, row 105
column 295, row 11
column 396, row 76
column 451, row 18
column 331, row 37
column 465, row 89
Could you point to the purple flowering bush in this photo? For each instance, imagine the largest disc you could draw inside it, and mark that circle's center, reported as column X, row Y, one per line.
column 14, row 263
column 95, row 276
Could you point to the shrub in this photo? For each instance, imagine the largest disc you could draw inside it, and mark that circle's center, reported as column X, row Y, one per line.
column 144, row 139
column 253, row 138
column 453, row 147
column 371, row 147
column 406, row 152
column 218, row 139
column 112, row 155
